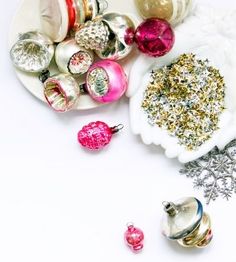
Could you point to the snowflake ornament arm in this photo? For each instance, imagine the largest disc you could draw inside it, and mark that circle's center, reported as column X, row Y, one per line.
column 214, row 173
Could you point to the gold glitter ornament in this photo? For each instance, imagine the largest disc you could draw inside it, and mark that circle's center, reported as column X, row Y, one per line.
column 174, row 11
column 186, row 98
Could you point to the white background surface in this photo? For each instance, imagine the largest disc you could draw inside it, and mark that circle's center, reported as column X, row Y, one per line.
column 60, row 203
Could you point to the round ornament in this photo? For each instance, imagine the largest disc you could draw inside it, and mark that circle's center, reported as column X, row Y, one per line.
column 154, row 37
column 32, row 52
column 174, row 11
column 73, row 59
column 106, row 81
column 134, row 238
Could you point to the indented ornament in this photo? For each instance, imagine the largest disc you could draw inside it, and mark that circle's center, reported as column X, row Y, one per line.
column 185, row 222
column 97, row 135
column 73, row 59
column 32, row 52
column 174, row 11
column 106, row 35
column 134, row 238
column 214, row 173
column 61, row 92
column 106, row 81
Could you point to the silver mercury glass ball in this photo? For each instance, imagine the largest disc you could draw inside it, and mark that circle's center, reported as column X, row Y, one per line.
column 32, row 52
column 73, row 59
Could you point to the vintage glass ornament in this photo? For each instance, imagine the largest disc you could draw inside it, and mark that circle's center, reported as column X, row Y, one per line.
column 134, row 238
column 106, row 35
column 58, row 17
column 174, row 11
column 32, row 52
column 112, row 36
column 73, row 59
column 61, row 92
column 97, row 135
column 106, row 81
column 185, row 222
column 154, row 37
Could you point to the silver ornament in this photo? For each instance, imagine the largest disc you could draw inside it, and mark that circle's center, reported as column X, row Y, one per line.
column 73, row 59
column 107, row 36
column 33, row 52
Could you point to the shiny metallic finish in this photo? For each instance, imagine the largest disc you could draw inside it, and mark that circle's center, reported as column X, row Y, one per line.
column 93, row 35
column 119, row 25
column 33, row 52
column 61, row 92
column 107, row 35
column 73, row 59
column 182, row 217
column 185, row 222
column 199, row 235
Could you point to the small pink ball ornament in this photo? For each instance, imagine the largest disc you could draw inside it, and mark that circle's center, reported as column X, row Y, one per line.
column 106, row 81
column 96, row 135
column 134, row 238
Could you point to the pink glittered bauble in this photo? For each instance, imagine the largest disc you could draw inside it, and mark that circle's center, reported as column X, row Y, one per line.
column 134, row 238
column 154, row 37
column 95, row 135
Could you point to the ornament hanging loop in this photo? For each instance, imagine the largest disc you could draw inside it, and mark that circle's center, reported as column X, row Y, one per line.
column 117, row 128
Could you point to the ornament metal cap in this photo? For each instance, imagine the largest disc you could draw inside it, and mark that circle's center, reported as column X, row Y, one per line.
column 185, row 221
column 32, row 52
column 107, row 35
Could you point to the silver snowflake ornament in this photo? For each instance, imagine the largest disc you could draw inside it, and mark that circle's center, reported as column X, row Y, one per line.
column 214, row 173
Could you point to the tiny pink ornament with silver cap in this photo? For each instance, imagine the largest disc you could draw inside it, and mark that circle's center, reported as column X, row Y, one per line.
column 134, row 238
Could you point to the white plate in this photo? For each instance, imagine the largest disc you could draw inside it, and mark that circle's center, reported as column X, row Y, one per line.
column 27, row 19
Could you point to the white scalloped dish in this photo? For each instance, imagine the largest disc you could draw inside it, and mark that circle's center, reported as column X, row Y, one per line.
column 210, row 35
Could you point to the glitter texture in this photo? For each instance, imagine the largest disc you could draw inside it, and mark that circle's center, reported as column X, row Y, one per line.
column 186, row 98
column 80, row 63
column 98, row 82
column 95, row 135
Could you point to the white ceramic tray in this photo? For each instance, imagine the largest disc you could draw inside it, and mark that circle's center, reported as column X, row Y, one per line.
column 27, row 18
column 211, row 35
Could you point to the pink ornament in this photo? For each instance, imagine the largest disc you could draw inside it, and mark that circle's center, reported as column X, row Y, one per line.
column 97, row 135
column 154, row 37
column 134, row 238
column 106, row 81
